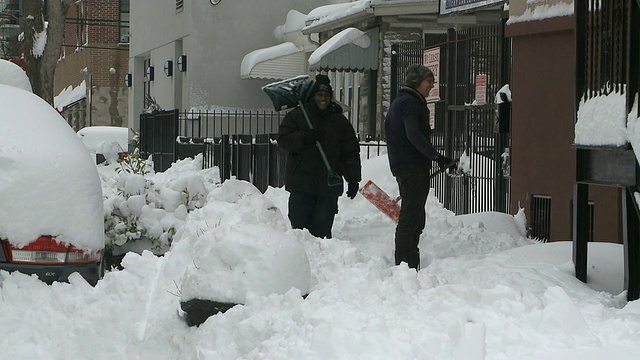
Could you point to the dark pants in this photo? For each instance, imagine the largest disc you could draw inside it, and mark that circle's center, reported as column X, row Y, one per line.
column 414, row 189
column 313, row 212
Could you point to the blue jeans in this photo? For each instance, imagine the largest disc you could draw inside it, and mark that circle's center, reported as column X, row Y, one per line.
column 313, row 212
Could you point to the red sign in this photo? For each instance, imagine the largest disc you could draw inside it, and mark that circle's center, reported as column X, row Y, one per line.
column 431, row 59
column 481, row 89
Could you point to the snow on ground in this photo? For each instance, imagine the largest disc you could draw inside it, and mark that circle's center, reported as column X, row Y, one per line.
column 484, row 292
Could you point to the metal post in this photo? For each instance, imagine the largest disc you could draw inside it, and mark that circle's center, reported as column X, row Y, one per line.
column 580, row 229
column 90, row 99
column 631, row 243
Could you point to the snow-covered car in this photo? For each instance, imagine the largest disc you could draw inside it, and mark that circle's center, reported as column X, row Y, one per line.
column 51, row 210
column 105, row 142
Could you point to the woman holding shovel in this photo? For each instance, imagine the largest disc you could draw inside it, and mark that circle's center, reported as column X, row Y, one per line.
column 322, row 149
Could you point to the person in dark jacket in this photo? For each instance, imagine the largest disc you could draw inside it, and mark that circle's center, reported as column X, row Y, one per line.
column 313, row 202
column 410, row 154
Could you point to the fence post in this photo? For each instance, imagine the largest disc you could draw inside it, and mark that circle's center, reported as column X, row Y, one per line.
column 261, row 162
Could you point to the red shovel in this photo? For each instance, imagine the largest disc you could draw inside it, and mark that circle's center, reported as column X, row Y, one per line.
column 383, row 201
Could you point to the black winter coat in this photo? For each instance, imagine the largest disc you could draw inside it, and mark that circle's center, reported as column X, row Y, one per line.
column 305, row 169
column 408, row 132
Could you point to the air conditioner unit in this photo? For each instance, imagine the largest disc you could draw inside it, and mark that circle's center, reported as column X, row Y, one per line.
column 124, row 38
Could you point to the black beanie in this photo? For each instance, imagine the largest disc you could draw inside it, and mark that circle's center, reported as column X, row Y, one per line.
column 322, row 84
column 414, row 74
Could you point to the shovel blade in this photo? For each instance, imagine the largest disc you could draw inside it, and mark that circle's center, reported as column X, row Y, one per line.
column 289, row 93
column 381, row 200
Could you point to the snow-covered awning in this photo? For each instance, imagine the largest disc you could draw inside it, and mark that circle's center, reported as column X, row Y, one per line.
column 334, row 16
column 350, row 49
column 276, row 62
column 285, row 60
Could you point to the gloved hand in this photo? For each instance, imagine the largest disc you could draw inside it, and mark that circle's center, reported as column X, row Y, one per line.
column 444, row 163
column 352, row 190
column 309, row 136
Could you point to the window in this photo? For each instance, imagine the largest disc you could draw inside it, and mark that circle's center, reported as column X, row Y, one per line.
column 540, row 217
column 124, row 21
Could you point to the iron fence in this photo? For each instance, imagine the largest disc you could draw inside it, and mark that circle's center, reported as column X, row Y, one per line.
column 460, row 125
column 215, row 123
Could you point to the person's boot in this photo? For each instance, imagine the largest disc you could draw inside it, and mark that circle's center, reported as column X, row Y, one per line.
column 411, row 258
column 414, row 260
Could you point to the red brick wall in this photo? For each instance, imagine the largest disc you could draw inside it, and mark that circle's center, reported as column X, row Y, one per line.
column 92, row 37
column 543, row 161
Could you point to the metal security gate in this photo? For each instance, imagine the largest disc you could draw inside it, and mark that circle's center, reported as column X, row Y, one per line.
column 607, row 61
column 467, row 57
column 158, row 133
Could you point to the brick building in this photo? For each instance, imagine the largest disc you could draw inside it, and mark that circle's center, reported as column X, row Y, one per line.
column 96, row 51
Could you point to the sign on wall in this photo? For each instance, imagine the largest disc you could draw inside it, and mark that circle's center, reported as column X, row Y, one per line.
column 481, row 89
column 451, row 6
column 431, row 59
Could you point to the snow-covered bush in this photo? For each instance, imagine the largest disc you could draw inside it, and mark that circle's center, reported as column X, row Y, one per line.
column 143, row 210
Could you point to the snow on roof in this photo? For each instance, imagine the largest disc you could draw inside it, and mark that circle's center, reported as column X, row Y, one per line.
column 329, row 13
column 12, row 75
column 258, row 56
column 543, row 11
column 70, row 95
column 294, row 22
column 344, row 37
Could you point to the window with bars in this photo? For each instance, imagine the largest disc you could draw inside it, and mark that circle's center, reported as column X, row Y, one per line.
column 124, row 21
column 540, row 217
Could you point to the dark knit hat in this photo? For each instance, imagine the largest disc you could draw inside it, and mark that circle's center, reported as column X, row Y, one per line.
column 414, row 74
column 322, row 84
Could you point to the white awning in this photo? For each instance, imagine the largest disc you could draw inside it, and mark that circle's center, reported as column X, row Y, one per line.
column 276, row 62
column 349, row 50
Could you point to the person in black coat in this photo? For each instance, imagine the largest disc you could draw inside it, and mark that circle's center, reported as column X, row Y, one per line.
column 313, row 202
column 410, row 154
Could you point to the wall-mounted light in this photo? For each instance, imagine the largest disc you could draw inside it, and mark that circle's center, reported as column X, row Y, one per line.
column 168, row 68
column 127, row 80
column 182, row 63
column 149, row 73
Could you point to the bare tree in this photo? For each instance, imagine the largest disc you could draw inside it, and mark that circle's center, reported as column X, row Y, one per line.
column 43, row 42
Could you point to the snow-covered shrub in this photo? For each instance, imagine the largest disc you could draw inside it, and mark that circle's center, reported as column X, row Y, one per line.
column 134, row 164
column 144, row 210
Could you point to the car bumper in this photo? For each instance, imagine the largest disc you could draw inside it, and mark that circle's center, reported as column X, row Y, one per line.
column 52, row 273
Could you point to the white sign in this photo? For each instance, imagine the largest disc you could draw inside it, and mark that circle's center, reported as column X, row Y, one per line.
column 451, row 6
column 432, row 115
column 431, row 59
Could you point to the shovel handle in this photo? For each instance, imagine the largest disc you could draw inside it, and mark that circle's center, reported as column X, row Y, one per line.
column 331, row 180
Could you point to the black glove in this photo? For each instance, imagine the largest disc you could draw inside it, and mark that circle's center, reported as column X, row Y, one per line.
column 352, row 190
column 309, row 136
column 444, row 163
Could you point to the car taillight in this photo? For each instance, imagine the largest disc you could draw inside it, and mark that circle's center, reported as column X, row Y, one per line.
column 46, row 250
column 77, row 256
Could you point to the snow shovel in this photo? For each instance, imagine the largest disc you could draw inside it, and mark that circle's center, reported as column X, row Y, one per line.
column 381, row 200
column 389, row 206
column 290, row 93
